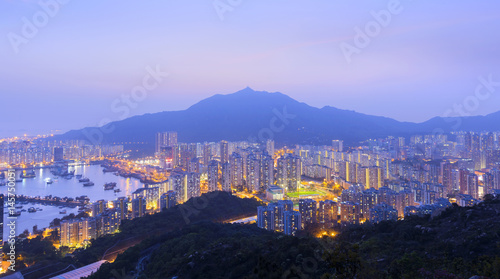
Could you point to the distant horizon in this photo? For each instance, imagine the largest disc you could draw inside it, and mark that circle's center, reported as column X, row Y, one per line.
column 224, row 94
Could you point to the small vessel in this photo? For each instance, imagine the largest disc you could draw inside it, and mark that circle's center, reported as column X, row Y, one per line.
column 83, row 179
column 109, row 186
column 78, row 176
column 87, row 184
column 23, row 210
column 19, row 206
column 49, row 181
column 3, row 183
column 31, row 210
column 117, row 190
column 18, row 180
column 62, row 211
column 28, row 174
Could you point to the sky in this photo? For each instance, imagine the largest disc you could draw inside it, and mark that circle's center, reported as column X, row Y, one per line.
column 70, row 64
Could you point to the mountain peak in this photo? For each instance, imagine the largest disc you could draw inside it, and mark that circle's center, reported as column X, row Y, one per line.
column 245, row 90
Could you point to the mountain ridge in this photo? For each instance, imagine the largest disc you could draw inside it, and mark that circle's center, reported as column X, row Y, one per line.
column 258, row 115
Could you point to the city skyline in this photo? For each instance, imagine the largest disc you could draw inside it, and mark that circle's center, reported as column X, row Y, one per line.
column 427, row 59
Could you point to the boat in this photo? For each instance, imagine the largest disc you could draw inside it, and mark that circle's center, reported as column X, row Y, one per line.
column 23, row 210
column 2, row 175
column 18, row 180
column 62, row 211
column 31, row 210
column 117, row 190
column 84, row 179
column 3, row 183
column 109, row 186
column 78, row 176
column 28, row 174
column 49, row 181
column 88, row 184
column 19, row 206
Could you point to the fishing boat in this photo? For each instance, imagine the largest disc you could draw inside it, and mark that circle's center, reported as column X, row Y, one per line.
column 87, row 184
column 84, row 179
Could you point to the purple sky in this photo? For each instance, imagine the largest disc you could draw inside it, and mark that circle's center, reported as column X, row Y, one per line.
column 90, row 53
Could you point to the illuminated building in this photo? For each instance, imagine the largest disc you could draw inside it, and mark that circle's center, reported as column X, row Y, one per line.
column 121, row 207
column 138, row 207
column 253, row 173
column 327, row 213
column 236, row 166
column 168, row 200
column 383, row 212
column 224, row 151
column 288, row 175
column 213, row 176
column 98, row 207
column 270, row 147
column 193, row 185
column 349, row 212
column 165, row 139
column 226, row 177
column 307, row 209
column 292, row 222
column 337, row 145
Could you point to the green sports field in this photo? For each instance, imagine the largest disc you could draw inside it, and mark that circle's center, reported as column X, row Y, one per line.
column 303, row 193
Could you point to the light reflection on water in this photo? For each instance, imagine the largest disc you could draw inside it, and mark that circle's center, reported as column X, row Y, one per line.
column 66, row 188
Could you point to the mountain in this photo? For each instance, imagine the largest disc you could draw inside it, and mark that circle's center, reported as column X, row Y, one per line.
column 256, row 115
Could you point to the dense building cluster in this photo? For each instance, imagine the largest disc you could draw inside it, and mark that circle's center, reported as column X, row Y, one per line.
column 35, row 152
column 106, row 217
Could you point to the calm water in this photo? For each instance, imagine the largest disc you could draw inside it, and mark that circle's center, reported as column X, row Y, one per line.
column 66, row 188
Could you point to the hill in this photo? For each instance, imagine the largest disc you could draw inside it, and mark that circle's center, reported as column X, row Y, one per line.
column 462, row 242
column 256, row 115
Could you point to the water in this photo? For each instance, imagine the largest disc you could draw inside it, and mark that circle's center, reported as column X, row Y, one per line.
column 66, row 188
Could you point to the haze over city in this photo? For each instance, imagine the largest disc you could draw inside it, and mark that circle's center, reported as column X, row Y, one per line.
column 87, row 55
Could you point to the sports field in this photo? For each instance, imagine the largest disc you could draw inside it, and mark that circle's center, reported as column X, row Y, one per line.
column 303, row 193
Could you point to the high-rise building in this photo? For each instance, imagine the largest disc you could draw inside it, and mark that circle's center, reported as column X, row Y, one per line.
column 224, row 151
column 168, row 200
column 292, row 222
column 226, row 177
column 236, row 166
column 337, row 145
column 472, row 185
column 349, row 212
column 307, row 209
column 193, row 185
column 270, row 147
column 383, row 212
column 164, row 139
column 138, row 207
column 289, row 171
column 121, row 207
column 213, row 176
column 58, row 154
column 98, row 207
column 327, row 213
column 266, row 171
column 253, row 173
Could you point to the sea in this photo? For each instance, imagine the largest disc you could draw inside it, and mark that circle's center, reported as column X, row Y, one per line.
column 62, row 187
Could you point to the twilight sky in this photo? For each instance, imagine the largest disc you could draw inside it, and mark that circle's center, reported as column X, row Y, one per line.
column 74, row 67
